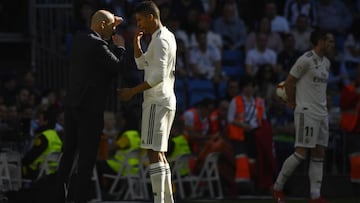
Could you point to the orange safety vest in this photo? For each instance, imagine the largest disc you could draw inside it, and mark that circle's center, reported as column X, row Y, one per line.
column 349, row 119
column 198, row 126
column 236, row 132
column 355, row 167
column 214, row 122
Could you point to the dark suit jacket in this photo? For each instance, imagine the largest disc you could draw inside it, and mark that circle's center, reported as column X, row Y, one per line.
column 93, row 65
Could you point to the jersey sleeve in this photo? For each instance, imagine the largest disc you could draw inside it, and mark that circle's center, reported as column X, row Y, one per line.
column 161, row 62
column 300, row 67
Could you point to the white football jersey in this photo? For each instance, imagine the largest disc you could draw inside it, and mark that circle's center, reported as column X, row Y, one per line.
column 158, row 63
column 312, row 73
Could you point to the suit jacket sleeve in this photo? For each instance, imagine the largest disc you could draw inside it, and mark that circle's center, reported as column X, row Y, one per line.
column 112, row 60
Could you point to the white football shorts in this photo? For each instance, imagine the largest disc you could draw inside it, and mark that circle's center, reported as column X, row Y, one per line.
column 311, row 131
column 155, row 127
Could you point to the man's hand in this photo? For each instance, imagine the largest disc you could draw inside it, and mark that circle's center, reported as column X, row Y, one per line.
column 138, row 36
column 137, row 44
column 125, row 94
column 118, row 20
column 118, row 40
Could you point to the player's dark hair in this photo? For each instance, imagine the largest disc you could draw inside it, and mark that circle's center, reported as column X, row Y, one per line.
column 147, row 8
column 316, row 36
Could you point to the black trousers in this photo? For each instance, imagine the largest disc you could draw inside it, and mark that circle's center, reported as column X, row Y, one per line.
column 83, row 128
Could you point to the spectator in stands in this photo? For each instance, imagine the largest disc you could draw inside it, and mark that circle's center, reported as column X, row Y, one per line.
column 165, row 12
column 129, row 140
column 46, row 141
column 250, row 11
column 213, row 38
column 281, row 119
column 218, row 118
column 9, row 90
column 231, row 27
column 178, row 144
column 350, row 106
column 273, row 42
column 196, row 124
column 333, row 16
column 286, row 58
column 3, row 115
column 5, row 129
column 266, row 80
column 295, row 8
column 301, row 33
column 188, row 12
column 108, row 136
column 232, row 89
column 182, row 67
column 205, row 59
column 260, row 55
column 244, row 117
column 82, row 16
column 174, row 26
column 278, row 23
column 352, row 49
column 23, row 98
column 29, row 82
column 350, row 124
column 338, row 74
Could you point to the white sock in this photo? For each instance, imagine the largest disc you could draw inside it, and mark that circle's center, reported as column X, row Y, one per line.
column 287, row 169
column 315, row 176
column 157, row 177
column 168, row 186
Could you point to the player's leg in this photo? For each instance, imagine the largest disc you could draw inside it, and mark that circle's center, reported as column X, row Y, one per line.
column 317, row 159
column 168, row 120
column 297, row 157
column 68, row 152
column 154, row 138
column 293, row 161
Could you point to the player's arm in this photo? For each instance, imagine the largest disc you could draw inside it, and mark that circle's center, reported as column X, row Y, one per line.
column 290, row 87
column 138, row 53
column 300, row 67
column 126, row 94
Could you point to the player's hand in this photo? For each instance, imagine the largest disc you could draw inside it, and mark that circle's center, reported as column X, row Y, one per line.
column 138, row 36
column 125, row 94
column 118, row 40
column 118, row 20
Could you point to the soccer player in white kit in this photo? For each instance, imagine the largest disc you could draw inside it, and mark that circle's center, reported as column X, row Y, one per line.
column 305, row 87
column 159, row 105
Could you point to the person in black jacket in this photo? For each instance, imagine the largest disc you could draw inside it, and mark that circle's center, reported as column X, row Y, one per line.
column 93, row 65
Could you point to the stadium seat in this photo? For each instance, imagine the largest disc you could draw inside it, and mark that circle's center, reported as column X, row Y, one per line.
column 50, row 163
column 179, row 180
column 132, row 190
column 235, row 72
column 221, row 89
column 181, row 94
column 199, row 89
column 232, row 58
column 209, row 178
column 5, row 179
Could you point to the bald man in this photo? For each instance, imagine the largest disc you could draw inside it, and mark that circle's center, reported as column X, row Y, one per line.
column 93, row 66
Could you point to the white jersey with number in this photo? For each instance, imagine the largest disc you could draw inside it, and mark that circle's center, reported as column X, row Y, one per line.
column 312, row 72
